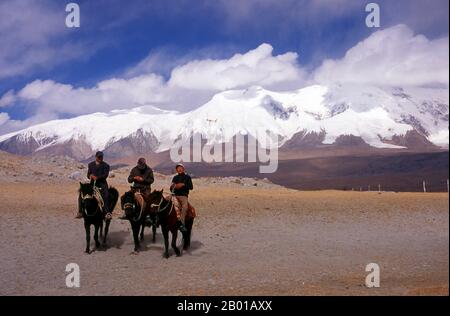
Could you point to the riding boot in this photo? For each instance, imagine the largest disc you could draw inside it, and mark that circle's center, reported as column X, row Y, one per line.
column 181, row 227
column 148, row 221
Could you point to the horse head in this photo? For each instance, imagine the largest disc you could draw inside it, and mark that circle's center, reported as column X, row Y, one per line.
column 129, row 204
column 155, row 198
column 88, row 201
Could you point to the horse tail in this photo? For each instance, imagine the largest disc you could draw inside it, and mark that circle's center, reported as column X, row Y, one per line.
column 113, row 197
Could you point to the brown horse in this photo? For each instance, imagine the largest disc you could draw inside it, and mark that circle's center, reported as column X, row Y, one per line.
column 167, row 216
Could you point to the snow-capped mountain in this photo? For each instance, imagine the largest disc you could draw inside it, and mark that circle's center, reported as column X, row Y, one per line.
column 380, row 116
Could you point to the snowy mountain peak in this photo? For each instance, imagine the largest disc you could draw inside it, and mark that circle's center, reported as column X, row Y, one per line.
column 375, row 114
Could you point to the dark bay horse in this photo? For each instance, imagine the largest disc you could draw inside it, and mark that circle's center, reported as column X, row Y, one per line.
column 168, row 220
column 137, row 217
column 92, row 213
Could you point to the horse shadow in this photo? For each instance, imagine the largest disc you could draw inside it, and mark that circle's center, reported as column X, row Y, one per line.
column 115, row 239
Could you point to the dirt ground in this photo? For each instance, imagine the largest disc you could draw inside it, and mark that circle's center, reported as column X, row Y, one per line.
column 246, row 241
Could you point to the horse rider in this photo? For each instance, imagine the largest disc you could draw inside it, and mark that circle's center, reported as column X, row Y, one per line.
column 180, row 187
column 97, row 173
column 141, row 179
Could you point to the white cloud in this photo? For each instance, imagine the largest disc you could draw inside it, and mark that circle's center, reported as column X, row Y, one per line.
column 256, row 67
column 34, row 37
column 7, row 99
column 53, row 97
column 394, row 56
column 4, row 117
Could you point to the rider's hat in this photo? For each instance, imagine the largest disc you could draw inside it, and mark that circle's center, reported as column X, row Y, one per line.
column 179, row 165
column 141, row 163
column 99, row 154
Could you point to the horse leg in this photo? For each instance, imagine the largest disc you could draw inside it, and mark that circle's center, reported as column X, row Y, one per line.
column 96, row 228
column 154, row 233
column 135, row 228
column 87, row 227
column 165, row 233
column 101, row 229
column 142, row 231
column 174, row 242
column 187, row 236
column 108, row 222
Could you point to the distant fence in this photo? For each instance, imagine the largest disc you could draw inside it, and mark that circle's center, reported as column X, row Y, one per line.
column 422, row 186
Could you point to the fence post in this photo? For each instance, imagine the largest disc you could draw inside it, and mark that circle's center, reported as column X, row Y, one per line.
column 424, row 186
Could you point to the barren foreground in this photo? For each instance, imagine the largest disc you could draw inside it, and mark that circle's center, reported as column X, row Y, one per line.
column 247, row 241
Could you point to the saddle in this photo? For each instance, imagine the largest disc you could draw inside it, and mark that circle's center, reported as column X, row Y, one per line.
column 191, row 213
column 140, row 199
column 99, row 198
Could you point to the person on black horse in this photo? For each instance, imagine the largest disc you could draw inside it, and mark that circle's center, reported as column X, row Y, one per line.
column 141, row 179
column 98, row 172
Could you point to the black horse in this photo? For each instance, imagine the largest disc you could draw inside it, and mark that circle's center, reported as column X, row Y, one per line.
column 168, row 220
column 138, row 217
column 92, row 213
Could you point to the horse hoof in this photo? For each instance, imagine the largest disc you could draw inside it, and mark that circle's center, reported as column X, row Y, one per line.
column 87, row 251
column 166, row 255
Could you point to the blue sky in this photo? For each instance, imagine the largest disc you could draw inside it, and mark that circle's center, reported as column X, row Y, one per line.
column 117, row 35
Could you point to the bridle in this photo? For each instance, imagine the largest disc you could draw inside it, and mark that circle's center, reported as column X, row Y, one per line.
column 95, row 195
column 133, row 205
column 85, row 197
column 160, row 210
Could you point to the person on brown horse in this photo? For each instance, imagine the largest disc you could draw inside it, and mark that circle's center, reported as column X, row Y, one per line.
column 180, row 187
column 141, row 178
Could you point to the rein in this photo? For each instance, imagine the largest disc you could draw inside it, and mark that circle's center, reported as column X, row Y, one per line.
column 160, row 210
column 97, row 196
column 88, row 197
column 133, row 205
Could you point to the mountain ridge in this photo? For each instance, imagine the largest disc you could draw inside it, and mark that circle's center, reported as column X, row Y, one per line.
column 381, row 117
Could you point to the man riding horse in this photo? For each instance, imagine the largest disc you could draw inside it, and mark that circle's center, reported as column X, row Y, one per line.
column 98, row 172
column 180, row 187
column 141, row 179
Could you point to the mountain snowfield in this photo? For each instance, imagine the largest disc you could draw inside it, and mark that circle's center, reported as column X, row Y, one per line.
column 376, row 114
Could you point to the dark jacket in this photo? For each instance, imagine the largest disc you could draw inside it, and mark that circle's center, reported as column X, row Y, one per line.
column 146, row 174
column 101, row 171
column 182, row 178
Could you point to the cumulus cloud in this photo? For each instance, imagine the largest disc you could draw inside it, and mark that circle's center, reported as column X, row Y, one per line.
column 394, row 56
column 31, row 35
column 256, row 67
column 52, row 97
column 4, row 117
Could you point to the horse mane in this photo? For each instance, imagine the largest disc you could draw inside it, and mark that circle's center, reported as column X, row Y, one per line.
column 86, row 188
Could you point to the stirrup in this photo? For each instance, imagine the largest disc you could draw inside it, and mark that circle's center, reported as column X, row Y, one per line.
column 182, row 228
column 148, row 221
